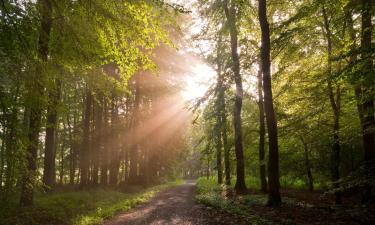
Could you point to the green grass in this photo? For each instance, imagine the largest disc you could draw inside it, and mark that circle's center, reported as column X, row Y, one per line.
column 77, row 207
column 211, row 194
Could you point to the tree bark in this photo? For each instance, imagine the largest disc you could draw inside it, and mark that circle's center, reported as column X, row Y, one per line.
column 62, row 168
column 226, row 146
column 274, row 198
column 134, row 148
column 49, row 175
column 107, row 146
column 85, row 148
column 335, row 100
column 97, row 149
column 115, row 147
column 72, row 166
column 36, row 92
column 367, row 98
column 262, row 133
column 219, row 107
column 307, row 164
column 230, row 13
column 219, row 146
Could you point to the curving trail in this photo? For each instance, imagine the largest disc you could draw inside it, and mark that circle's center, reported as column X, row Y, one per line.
column 175, row 206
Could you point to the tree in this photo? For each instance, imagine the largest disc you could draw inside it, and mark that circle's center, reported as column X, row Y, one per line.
column 273, row 158
column 36, row 91
column 366, row 97
column 49, row 174
column 262, row 132
column 335, row 100
column 230, row 13
column 85, row 147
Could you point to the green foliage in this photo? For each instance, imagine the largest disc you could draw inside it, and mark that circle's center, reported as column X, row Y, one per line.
column 211, row 194
column 78, row 207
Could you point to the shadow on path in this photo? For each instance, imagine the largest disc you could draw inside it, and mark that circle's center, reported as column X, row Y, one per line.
column 175, row 206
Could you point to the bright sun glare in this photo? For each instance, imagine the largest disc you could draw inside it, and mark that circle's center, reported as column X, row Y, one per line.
column 198, row 81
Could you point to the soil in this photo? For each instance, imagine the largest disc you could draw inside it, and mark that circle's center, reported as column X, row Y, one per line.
column 175, row 206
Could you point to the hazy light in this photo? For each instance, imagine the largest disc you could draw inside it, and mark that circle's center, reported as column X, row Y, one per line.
column 198, row 82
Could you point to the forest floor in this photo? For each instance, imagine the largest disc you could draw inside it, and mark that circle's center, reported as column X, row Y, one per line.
column 192, row 203
column 178, row 206
column 175, row 206
column 71, row 206
column 299, row 207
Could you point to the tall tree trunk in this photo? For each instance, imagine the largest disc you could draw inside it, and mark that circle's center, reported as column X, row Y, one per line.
column 10, row 135
column 126, row 145
column 274, row 198
column 219, row 108
column 226, row 146
column 62, row 168
column 72, row 159
column 367, row 98
column 222, row 112
column 85, row 148
column 2, row 157
column 115, row 147
column 307, row 164
column 208, row 167
column 334, row 99
column 134, row 148
column 107, row 146
column 127, row 165
column 230, row 13
column 97, row 149
column 49, row 175
column 219, row 145
column 35, row 100
column 262, row 133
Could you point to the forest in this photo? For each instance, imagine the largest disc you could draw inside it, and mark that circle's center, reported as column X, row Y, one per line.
column 188, row 112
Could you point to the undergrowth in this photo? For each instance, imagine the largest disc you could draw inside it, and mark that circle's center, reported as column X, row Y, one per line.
column 214, row 195
column 77, row 207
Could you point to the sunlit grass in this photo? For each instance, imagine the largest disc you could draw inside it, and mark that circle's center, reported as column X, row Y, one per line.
column 210, row 194
column 78, row 208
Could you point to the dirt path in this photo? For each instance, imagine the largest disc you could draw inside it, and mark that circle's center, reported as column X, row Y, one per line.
column 175, row 206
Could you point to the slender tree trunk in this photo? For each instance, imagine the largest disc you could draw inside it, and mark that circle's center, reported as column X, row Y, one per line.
column 49, row 175
column 126, row 153
column 219, row 146
column 10, row 148
column 222, row 117
column 72, row 166
column 274, row 198
column 35, row 97
column 85, row 148
column 367, row 98
column 97, row 149
column 307, row 164
column 115, row 147
column 9, row 143
column 226, row 147
column 2, row 156
column 262, row 133
column 230, row 13
column 107, row 146
column 126, row 146
column 134, row 149
column 208, row 168
column 62, row 168
column 219, row 108
column 335, row 105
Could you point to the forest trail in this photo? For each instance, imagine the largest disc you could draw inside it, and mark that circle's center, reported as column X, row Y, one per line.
column 175, row 206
